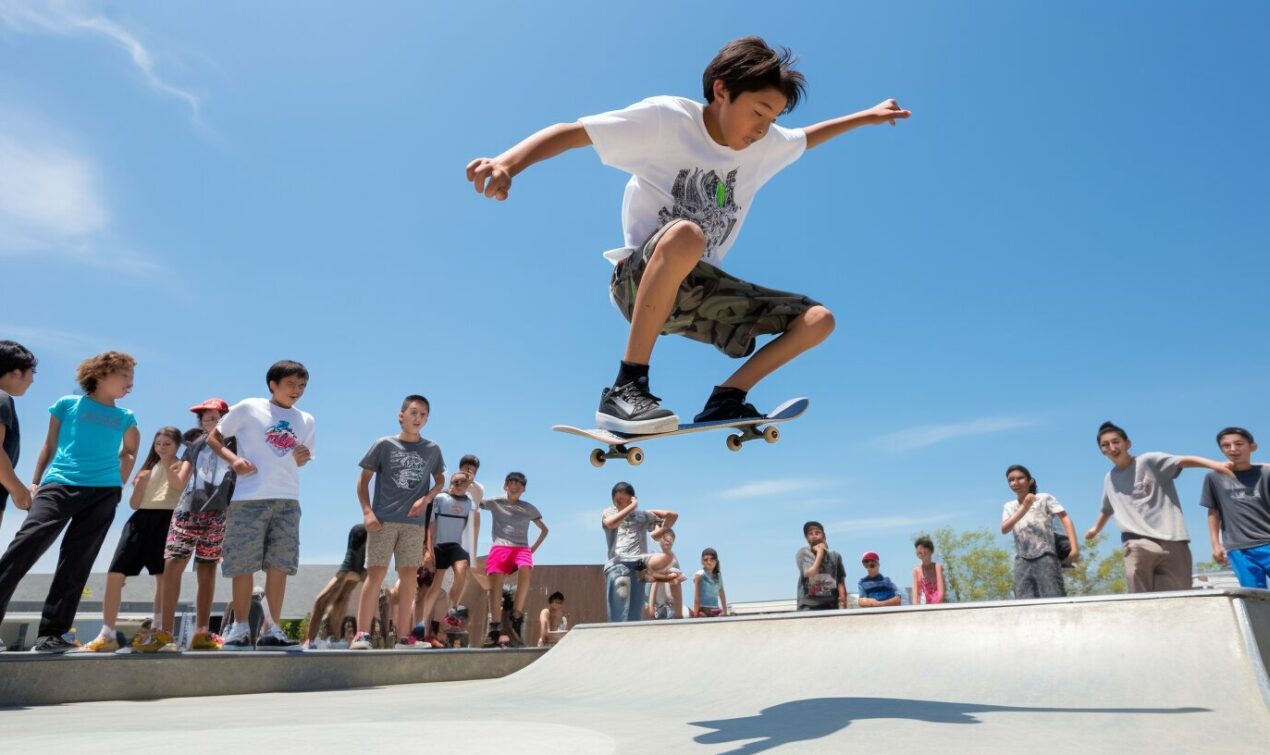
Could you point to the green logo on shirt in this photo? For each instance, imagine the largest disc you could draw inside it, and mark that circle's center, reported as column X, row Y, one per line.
column 720, row 194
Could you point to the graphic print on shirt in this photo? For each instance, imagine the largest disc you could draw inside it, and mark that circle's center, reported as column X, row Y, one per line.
column 705, row 199
column 822, row 585
column 281, row 438
column 407, row 468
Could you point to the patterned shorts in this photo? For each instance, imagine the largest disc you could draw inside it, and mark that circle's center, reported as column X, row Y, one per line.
column 199, row 535
column 712, row 306
column 396, row 541
column 262, row 535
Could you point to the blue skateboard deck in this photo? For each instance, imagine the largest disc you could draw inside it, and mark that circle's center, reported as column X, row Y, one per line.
column 619, row 444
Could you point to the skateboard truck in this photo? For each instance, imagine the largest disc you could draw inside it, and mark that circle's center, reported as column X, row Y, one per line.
column 771, row 434
column 633, row 455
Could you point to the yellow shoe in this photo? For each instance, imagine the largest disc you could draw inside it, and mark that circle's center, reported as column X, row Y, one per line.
column 99, row 645
column 205, row 641
column 151, row 640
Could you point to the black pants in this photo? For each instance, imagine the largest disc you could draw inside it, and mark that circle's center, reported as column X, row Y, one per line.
column 89, row 511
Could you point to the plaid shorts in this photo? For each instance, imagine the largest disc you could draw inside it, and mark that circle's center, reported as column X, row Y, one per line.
column 200, row 535
column 712, row 306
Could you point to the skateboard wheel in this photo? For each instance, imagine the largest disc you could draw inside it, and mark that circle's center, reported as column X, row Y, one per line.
column 635, row 457
column 771, row 434
column 734, row 442
column 597, row 458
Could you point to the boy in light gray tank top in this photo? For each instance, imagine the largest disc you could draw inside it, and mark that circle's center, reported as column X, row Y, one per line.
column 1140, row 494
column 444, row 549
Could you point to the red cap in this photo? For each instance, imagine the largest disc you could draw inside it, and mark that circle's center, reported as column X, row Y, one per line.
column 214, row 404
column 870, row 556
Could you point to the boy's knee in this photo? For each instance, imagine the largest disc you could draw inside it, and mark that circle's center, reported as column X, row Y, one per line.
column 821, row 319
column 684, row 242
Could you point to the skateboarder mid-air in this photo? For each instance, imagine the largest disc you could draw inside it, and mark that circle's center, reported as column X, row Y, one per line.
column 695, row 169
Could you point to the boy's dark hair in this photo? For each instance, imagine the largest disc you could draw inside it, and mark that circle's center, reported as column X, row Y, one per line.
column 516, row 477
column 191, row 435
column 470, row 459
column 285, row 369
column 623, row 487
column 95, row 368
column 748, row 64
column 807, row 527
column 408, row 400
column 925, row 540
column 15, row 356
column 1023, row 469
column 557, row 595
column 1111, row 427
column 1235, row 431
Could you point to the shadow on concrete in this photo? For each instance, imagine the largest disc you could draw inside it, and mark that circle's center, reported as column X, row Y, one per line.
column 813, row 718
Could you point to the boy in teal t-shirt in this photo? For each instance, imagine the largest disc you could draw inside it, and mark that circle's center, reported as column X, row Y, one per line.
column 90, row 450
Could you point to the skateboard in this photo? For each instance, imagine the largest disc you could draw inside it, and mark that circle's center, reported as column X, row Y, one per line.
column 620, row 444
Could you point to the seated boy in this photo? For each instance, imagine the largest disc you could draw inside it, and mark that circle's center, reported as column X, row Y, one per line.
column 876, row 590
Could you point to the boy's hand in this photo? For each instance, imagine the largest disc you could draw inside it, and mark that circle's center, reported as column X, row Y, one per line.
column 1091, row 534
column 371, row 522
column 242, row 466
column 888, row 111
column 1028, row 500
column 301, row 454
column 489, row 177
column 1219, row 553
column 418, row 507
column 22, row 498
column 819, row 548
column 1074, row 557
column 175, row 467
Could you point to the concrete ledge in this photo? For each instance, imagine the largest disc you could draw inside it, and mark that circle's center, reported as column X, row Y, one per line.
column 28, row 679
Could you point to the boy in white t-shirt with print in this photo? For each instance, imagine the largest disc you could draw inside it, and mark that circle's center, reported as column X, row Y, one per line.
column 262, row 527
column 695, row 170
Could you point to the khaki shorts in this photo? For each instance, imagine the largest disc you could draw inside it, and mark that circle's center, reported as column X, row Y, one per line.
column 712, row 306
column 398, row 542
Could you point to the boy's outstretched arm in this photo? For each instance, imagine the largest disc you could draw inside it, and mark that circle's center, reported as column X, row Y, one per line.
column 492, row 176
column 887, row 111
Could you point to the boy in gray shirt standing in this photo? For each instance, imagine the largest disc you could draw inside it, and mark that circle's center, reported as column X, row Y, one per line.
column 402, row 466
column 1239, row 509
column 1139, row 492
column 511, row 552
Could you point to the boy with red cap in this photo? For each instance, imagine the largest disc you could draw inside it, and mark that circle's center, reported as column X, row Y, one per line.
column 198, row 526
column 875, row 589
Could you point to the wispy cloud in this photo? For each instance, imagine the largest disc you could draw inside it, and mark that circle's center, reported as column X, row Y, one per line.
column 70, row 19
column 67, row 344
column 929, row 435
column 878, row 523
column 51, row 204
column 787, row 485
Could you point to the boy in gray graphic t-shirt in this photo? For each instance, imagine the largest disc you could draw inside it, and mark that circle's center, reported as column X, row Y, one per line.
column 1239, row 510
column 1140, row 494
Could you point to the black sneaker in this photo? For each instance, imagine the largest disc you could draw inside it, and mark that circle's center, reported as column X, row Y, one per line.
column 274, row 639
column 491, row 641
column 726, row 408
column 630, row 408
column 518, row 624
column 50, row 645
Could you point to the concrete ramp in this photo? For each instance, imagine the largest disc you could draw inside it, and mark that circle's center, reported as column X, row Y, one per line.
column 1183, row 672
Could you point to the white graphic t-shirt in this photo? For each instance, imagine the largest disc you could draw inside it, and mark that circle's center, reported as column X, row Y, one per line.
column 678, row 171
column 267, row 436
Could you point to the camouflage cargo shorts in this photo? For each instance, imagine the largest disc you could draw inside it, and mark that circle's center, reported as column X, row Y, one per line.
column 712, row 306
column 261, row 535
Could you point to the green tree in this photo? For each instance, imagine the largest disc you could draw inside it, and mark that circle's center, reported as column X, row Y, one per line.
column 1095, row 574
column 976, row 566
column 979, row 565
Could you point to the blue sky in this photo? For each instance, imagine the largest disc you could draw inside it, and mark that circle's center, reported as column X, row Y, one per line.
column 1066, row 231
